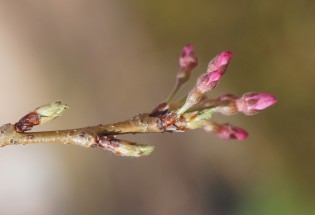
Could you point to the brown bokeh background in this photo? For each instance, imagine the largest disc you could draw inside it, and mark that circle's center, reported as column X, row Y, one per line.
column 110, row 60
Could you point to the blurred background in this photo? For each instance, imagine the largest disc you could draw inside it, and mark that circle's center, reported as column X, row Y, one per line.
column 110, row 60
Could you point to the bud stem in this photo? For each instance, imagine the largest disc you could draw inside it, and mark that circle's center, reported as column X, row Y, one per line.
column 179, row 83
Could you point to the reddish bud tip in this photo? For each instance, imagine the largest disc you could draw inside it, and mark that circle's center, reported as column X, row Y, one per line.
column 252, row 103
column 188, row 59
column 27, row 122
column 228, row 131
column 220, row 62
column 208, row 81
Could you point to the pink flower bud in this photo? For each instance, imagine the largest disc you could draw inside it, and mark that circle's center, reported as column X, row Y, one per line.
column 205, row 83
column 220, row 62
column 252, row 103
column 208, row 81
column 187, row 62
column 228, row 131
column 188, row 59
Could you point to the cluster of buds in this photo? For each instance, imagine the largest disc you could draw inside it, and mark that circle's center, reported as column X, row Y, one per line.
column 197, row 109
column 207, row 81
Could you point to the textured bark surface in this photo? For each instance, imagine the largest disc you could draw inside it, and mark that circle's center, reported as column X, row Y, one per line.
column 95, row 136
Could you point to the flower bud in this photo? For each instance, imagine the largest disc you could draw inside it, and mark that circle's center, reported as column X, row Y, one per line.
column 227, row 131
column 188, row 60
column 220, row 62
column 205, row 83
column 252, row 103
column 208, row 81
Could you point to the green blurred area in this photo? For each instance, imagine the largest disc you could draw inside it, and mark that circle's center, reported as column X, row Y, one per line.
column 113, row 59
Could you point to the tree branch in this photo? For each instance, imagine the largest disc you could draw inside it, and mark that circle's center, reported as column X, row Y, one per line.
column 195, row 112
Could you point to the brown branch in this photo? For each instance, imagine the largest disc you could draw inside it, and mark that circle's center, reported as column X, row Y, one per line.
column 96, row 136
column 87, row 136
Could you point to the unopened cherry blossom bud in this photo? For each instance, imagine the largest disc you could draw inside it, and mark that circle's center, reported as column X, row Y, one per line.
column 227, row 131
column 220, row 62
column 187, row 61
column 252, row 103
column 208, row 81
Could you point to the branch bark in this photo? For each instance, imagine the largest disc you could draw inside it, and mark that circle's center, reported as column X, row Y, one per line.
column 98, row 136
